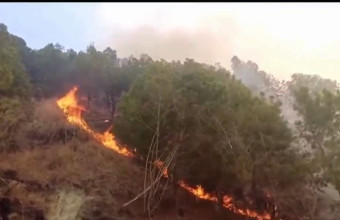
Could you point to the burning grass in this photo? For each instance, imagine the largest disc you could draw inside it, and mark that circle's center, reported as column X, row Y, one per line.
column 73, row 111
column 56, row 155
column 69, row 159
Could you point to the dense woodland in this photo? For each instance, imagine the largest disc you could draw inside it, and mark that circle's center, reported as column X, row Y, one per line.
column 228, row 136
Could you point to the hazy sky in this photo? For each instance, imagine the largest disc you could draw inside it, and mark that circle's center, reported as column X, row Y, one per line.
column 282, row 38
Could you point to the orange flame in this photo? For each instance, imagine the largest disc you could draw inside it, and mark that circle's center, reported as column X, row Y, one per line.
column 227, row 202
column 73, row 111
column 160, row 164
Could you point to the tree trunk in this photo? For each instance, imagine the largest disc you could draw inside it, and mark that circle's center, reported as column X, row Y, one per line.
column 107, row 98
column 113, row 106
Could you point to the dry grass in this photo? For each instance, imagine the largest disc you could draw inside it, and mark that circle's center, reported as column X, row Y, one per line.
column 48, row 126
column 107, row 179
column 97, row 171
column 84, row 165
column 57, row 164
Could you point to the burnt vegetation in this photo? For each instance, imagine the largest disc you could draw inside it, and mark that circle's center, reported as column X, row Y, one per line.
column 239, row 134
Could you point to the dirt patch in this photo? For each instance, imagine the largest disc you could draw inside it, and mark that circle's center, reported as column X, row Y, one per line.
column 67, row 205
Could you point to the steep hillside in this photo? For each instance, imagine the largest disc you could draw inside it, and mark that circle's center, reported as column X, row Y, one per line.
column 60, row 173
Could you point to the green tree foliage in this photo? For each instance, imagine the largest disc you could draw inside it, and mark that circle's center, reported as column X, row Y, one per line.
column 13, row 79
column 313, row 82
column 227, row 138
column 50, row 69
column 100, row 75
column 320, row 128
column 14, row 88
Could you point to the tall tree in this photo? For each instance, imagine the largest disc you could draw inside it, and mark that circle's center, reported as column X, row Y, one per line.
column 13, row 79
column 320, row 128
column 226, row 138
column 14, row 88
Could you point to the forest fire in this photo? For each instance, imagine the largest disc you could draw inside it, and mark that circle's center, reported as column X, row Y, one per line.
column 73, row 111
column 227, row 202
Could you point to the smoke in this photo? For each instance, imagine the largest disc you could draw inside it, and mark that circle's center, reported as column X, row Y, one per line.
column 212, row 33
column 205, row 33
column 259, row 81
column 249, row 74
column 202, row 44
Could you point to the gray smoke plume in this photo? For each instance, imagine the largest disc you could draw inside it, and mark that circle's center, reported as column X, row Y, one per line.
column 202, row 44
column 262, row 82
column 266, row 84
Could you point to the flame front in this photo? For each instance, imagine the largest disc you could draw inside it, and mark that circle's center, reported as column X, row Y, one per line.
column 73, row 111
column 227, row 202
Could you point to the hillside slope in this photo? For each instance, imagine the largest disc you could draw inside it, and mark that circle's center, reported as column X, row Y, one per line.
column 60, row 173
